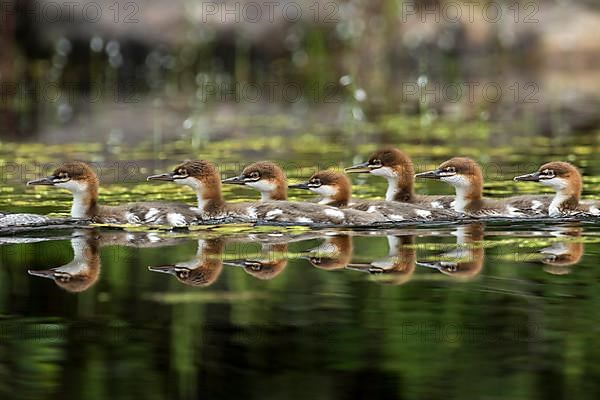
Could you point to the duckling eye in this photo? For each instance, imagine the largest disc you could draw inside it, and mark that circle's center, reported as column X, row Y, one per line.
column 548, row 172
column 376, row 162
column 315, row 260
column 316, row 182
column 181, row 172
column 451, row 169
column 254, row 175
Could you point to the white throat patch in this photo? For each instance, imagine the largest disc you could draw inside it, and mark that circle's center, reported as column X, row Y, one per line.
column 79, row 189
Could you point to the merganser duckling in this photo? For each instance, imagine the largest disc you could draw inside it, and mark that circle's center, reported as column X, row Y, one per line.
column 334, row 253
column 82, row 182
column 336, row 190
column 272, row 262
column 83, row 271
column 466, row 177
column 469, row 254
column 566, row 180
column 397, row 168
column 203, row 270
column 266, row 177
column 399, row 265
column 204, row 178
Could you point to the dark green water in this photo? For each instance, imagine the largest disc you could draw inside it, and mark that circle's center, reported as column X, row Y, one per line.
column 513, row 314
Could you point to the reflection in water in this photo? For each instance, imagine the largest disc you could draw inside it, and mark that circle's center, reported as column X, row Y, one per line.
column 271, row 263
column 334, row 253
column 203, row 270
column 466, row 261
column 395, row 269
column 560, row 256
column 83, row 271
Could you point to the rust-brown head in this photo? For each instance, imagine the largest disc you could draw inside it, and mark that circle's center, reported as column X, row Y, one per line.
column 559, row 175
column 464, row 174
column 272, row 262
column 266, row 177
column 200, row 175
column 393, row 165
column 78, row 178
column 334, row 186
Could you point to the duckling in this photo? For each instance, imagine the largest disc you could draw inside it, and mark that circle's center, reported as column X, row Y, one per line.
column 397, row 168
column 79, row 179
column 266, row 177
column 566, row 180
column 466, row 177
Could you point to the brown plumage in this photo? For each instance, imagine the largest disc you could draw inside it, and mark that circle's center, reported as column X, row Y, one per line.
column 81, row 180
column 397, row 168
column 567, row 183
column 266, row 177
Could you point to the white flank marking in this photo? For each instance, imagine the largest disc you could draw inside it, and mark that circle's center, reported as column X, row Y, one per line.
column 132, row 218
column 304, row 220
column 436, row 204
column 372, row 209
column 423, row 213
column 333, row 213
column 274, row 213
column 251, row 212
column 151, row 215
column 396, row 217
column 176, row 219
column 536, row 204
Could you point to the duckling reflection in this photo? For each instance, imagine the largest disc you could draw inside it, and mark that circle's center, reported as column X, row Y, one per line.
column 334, row 253
column 272, row 262
column 203, row 270
column 560, row 256
column 468, row 255
column 83, row 271
column 399, row 265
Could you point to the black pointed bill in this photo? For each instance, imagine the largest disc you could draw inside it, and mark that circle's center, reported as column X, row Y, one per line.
column 47, row 181
column 169, row 176
column 234, row 180
column 361, row 168
column 534, row 177
column 435, row 174
column 303, row 185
